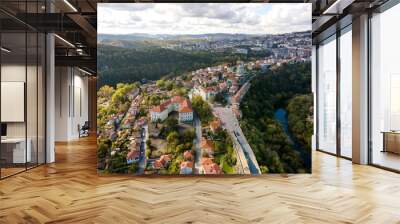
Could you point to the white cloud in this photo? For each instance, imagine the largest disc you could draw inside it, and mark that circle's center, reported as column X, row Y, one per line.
column 287, row 18
column 195, row 18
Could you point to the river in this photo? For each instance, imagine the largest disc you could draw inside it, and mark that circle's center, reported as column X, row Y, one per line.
column 281, row 116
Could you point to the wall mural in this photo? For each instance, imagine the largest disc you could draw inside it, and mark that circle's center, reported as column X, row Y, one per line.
column 204, row 89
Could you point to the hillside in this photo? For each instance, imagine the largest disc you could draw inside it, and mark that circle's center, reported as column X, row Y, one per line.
column 273, row 147
column 126, row 65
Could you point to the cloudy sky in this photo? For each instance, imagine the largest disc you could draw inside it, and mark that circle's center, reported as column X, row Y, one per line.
column 200, row 18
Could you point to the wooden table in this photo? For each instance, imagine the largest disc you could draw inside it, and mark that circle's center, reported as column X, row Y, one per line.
column 13, row 150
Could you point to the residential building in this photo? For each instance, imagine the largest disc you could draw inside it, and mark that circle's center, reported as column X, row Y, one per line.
column 215, row 125
column 209, row 167
column 162, row 162
column 240, row 70
column 187, row 155
column 133, row 156
column 176, row 103
column 206, row 93
column 241, row 51
column 207, row 146
column 186, row 167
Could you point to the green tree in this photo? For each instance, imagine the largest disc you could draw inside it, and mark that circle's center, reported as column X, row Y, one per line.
column 180, row 148
column 173, row 141
column 202, row 109
column 300, row 120
column 148, row 143
column 188, row 135
column 267, row 138
column 105, row 91
column 133, row 168
column 220, row 98
column 160, row 83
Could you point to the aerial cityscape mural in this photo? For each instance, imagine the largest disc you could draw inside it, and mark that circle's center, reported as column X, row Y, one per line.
column 203, row 88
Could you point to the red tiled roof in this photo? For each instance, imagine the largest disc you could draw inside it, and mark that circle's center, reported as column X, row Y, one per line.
column 165, row 104
column 215, row 124
column 156, row 109
column 210, row 89
column 188, row 155
column 184, row 104
column 187, row 164
column 206, row 144
column 177, row 99
column 212, row 169
column 206, row 161
column 133, row 154
column 157, row 165
column 185, row 110
column 164, row 159
column 222, row 85
column 161, row 107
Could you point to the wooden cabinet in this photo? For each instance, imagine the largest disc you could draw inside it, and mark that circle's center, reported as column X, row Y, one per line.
column 391, row 142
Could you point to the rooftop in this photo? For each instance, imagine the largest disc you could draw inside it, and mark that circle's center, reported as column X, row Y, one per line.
column 206, row 144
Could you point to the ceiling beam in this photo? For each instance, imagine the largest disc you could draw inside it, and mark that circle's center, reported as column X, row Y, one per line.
column 78, row 61
column 89, row 30
column 337, row 7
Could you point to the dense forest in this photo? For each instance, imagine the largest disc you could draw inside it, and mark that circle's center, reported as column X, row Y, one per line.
column 286, row 87
column 300, row 118
column 127, row 65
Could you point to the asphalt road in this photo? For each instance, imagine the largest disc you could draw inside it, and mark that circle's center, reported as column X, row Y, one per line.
column 250, row 164
column 198, row 154
column 142, row 160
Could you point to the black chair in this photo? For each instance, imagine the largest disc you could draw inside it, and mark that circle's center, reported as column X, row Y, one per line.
column 84, row 130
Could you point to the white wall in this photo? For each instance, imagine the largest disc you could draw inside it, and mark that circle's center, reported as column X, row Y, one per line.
column 71, row 102
column 62, row 82
column 33, row 126
column 11, row 73
column 360, row 89
column 50, row 95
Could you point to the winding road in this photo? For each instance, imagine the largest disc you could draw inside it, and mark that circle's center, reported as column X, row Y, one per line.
column 245, row 153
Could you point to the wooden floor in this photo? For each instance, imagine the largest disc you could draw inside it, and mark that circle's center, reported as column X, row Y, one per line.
column 5, row 172
column 70, row 191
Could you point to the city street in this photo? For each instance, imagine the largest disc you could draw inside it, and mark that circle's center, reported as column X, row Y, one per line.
column 142, row 161
column 245, row 153
column 198, row 154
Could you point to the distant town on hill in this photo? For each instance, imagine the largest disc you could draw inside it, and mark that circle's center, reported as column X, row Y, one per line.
column 133, row 57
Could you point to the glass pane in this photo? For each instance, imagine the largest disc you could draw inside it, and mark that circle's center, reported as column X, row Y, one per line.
column 31, row 98
column 327, row 96
column 385, row 92
column 41, row 99
column 346, row 94
column 13, row 87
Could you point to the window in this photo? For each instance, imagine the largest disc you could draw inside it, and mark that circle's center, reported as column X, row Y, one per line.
column 327, row 95
column 346, row 92
column 385, row 89
column 22, row 76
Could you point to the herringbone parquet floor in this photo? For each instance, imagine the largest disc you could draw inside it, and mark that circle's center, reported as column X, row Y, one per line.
column 70, row 191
